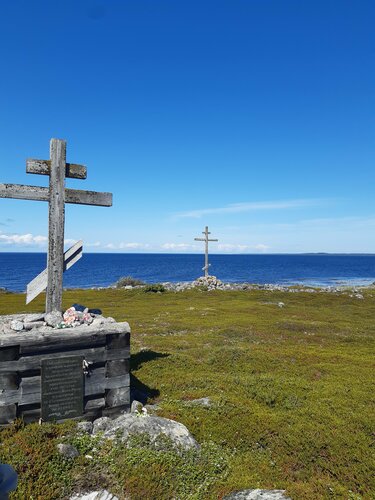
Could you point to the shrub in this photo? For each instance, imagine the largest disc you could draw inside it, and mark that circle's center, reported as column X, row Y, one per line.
column 155, row 288
column 128, row 281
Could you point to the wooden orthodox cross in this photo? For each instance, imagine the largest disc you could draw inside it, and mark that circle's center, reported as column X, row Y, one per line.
column 56, row 195
column 206, row 240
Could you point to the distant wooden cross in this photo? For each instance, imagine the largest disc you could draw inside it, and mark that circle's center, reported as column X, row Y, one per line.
column 56, row 195
column 206, row 240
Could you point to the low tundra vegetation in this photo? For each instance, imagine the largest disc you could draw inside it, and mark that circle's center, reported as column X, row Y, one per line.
column 291, row 394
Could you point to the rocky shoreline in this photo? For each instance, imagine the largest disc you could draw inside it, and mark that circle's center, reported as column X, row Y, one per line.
column 211, row 283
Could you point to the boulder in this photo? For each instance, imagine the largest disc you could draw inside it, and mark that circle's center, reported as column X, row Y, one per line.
column 127, row 425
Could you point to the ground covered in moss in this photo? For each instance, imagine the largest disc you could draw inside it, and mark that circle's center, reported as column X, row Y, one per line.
column 292, row 394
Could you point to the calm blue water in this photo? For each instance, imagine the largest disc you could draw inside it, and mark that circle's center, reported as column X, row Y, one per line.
column 17, row 269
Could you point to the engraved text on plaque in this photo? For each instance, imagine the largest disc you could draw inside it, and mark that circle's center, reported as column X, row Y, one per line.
column 62, row 388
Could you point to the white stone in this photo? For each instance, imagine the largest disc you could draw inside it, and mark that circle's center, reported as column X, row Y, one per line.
column 16, row 325
column 257, row 494
column 95, row 495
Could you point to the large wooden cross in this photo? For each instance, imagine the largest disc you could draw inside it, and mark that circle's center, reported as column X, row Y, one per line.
column 56, row 195
column 206, row 239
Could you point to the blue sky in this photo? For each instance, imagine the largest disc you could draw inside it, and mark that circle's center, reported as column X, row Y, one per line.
column 254, row 117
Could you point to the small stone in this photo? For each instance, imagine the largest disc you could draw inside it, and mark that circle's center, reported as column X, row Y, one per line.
column 281, row 304
column 257, row 494
column 16, row 325
column 206, row 402
column 94, row 495
column 136, row 407
column 67, row 450
column 53, row 318
column 85, row 427
column 33, row 317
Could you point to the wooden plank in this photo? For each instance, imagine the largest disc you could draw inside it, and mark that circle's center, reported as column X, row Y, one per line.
column 7, row 353
column 73, row 196
column 93, row 404
column 8, row 414
column 39, row 283
column 30, row 388
column 56, row 219
column 24, row 192
column 97, row 355
column 118, row 340
column 116, row 410
column 9, row 397
column 47, row 336
column 77, row 196
column 101, row 384
column 43, row 167
column 117, row 367
column 69, row 345
column 8, row 381
column 28, row 415
column 117, row 397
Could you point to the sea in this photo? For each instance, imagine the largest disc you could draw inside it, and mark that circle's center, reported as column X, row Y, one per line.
column 104, row 269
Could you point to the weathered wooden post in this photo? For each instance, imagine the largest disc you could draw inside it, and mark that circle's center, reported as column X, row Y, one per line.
column 206, row 240
column 57, row 196
column 56, row 219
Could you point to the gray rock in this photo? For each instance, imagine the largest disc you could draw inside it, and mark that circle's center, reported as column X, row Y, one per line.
column 34, row 317
column 206, row 402
column 99, row 320
column 257, row 495
column 67, row 450
column 129, row 424
column 53, row 318
column 136, row 407
column 32, row 325
column 85, row 427
column 95, row 495
column 281, row 304
column 16, row 325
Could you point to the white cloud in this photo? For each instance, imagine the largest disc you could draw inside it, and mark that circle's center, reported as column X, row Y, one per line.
column 23, row 239
column 251, row 206
column 231, row 248
column 69, row 241
column 178, row 246
column 126, row 246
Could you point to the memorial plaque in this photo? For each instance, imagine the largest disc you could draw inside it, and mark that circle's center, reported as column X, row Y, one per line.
column 62, row 388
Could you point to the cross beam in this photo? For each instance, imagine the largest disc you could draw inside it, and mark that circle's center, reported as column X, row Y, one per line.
column 57, row 169
column 206, row 239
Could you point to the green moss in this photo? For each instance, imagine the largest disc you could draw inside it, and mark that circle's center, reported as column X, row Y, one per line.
column 292, row 397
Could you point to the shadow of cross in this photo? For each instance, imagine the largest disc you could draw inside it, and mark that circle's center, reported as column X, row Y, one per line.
column 56, row 195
